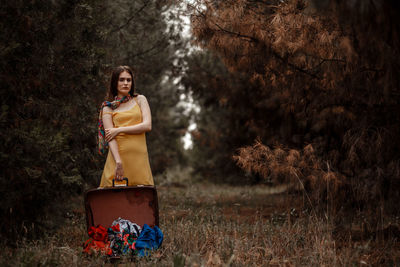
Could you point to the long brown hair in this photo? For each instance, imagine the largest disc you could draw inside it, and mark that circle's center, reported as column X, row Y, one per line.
column 113, row 89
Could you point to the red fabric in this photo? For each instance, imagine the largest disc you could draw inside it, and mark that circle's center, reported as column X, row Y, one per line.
column 115, row 228
column 98, row 241
column 97, row 246
column 98, row 233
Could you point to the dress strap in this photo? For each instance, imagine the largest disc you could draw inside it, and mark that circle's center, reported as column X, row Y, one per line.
column 135, row 98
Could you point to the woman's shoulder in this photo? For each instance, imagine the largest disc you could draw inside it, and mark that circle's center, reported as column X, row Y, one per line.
column 107, row 109
column 141, row 98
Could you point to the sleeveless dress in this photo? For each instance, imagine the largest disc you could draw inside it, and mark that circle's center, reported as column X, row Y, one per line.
column 132, row 150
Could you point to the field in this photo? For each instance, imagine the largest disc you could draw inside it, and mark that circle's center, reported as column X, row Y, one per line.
column 220, row 225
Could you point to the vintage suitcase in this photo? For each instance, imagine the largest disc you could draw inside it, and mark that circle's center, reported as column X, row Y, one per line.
column 138, row 204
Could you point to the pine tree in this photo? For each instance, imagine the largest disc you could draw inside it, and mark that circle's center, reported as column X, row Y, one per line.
column 321, row 75
column 56, row 58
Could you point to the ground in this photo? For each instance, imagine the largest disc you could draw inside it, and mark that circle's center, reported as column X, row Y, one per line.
column 221, row 225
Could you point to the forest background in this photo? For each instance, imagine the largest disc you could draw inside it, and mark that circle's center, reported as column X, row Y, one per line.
column 300, row 93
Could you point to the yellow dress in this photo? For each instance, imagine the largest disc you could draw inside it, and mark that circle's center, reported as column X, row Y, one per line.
column 132, row 150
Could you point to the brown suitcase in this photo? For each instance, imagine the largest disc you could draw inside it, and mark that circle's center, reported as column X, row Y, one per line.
column 138, row 204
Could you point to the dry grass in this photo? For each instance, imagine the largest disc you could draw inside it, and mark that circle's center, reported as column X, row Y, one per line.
column 210, row 225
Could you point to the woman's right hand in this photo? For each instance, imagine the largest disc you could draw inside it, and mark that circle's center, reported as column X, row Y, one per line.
column 119, row 171
column 111, row 133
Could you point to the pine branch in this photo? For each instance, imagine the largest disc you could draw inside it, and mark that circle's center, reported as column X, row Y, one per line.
column 156, row 45
column 274, row 53
column 131, row 18
column 250, row 38
column 326, row 60
column 267, row 4
column 293, row 66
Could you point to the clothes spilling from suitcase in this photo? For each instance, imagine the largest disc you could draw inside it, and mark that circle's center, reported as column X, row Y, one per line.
column 122, row 221
column 123, row 238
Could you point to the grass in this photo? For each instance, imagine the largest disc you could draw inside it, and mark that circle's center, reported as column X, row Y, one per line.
column 219, row 225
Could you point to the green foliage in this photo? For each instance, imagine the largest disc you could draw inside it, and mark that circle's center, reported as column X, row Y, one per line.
column 48, row 80
column 55, row 62
column 223, row 124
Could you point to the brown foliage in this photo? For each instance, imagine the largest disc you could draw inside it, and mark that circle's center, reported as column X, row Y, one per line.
column 329, row 75
column 301, row 168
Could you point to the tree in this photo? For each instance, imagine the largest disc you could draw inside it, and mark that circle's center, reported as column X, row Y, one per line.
column 222, row 124
column 56, row 58
column 321, row 77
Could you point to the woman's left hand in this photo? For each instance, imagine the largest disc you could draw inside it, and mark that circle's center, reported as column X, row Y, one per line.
column 111, row 133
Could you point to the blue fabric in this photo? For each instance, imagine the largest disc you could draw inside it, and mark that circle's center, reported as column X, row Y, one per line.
column 148, row 240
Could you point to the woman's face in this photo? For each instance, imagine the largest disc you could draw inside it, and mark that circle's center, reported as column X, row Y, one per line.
column 124, row 84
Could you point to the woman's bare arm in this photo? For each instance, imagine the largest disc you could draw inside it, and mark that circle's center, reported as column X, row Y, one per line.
column 144, row 126
column 108, row 124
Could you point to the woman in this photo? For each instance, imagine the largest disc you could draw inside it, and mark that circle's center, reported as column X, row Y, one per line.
column 122, row 127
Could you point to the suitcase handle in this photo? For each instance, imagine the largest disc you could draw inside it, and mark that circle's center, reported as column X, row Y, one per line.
column 125, row 179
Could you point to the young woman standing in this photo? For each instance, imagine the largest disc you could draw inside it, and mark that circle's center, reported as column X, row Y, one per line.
column 123, row 122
